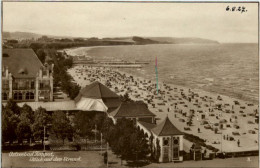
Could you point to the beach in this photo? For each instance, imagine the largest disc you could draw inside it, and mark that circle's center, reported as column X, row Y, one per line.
column 226, row 69
column 210, row 110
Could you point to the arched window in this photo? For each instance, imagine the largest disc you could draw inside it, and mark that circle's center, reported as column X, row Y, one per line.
column 29, row 96
column 18, row 96
column 4, row 96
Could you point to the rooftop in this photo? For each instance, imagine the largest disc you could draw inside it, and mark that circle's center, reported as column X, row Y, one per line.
column 132, row 109
column 21, row 63
column 96, row 90
column 165, row 128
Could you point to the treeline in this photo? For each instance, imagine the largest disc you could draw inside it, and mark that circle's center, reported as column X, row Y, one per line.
column 61, row 77
column 61, row 64
column 125, row 139
column 22, row 123
column 88, row 43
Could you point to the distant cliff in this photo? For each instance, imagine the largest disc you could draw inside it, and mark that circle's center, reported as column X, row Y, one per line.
column 162, row 40
column 188, row 40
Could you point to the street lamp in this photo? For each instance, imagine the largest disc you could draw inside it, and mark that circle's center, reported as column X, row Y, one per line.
column 44, row 132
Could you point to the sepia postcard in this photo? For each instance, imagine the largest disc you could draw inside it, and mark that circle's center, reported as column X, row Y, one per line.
column 129, row 84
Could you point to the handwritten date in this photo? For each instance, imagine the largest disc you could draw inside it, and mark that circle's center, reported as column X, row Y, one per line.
column 241, row 9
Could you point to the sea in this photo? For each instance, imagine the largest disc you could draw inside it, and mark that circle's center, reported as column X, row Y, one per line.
column 226, row 69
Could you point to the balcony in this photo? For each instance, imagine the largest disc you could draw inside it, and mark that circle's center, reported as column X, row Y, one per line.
column 23, row 88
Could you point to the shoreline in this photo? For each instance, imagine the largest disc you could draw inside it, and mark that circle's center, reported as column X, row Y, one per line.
column 86, row 50
column 81, row 72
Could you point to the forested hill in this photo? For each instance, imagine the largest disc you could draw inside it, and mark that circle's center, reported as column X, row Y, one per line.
column 134, row 40
column 188, row 40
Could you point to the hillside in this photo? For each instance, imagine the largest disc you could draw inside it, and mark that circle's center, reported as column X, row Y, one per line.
column 188, row 40
column 135, row 40
column 20, row 35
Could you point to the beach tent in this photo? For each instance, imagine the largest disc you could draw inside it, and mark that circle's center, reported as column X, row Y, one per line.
column 96, row 97
column 88, row 104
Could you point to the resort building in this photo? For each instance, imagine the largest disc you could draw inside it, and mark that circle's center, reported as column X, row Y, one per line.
column 136, row 111
column 24, row 77
column 97, row 97
column 169, row 137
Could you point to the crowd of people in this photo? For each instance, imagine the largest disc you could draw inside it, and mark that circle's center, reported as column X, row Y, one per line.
column 217, row 119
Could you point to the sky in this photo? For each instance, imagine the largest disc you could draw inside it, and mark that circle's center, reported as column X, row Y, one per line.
column 121, row 19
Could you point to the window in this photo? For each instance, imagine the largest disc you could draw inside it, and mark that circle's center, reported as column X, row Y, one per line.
column 41, row 85
column 18, row 96
column 44, row 73
column 175, row 152
column 32, row 85
column 175, row 141
column 21, row 84
column 15, row 85
column 165, row 141
column 44, row 84
column 4, row 96
column 5, row 84
column 29, row 96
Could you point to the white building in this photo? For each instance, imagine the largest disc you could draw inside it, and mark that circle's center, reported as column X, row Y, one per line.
column 169, row 137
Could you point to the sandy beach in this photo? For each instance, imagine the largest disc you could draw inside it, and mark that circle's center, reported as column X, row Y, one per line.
column 210, row 110
column 234, row 119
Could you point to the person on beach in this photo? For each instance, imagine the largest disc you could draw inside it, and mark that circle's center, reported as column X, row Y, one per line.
column 198, row 130
column 238, row 143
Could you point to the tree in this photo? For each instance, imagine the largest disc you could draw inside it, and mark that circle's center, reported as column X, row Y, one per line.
column 23, row 129
column 139, row 145
column 151, row 146
column 28, row 113
column 41, row 55
column 106, row 127
column 99, row 119
column 127, row 141
column 61, row 125
column 41, row 120
column 10, row 121
column 11, row 105
column 68, row 62
column 83, row 125
column 158, row 150
column 74, row 91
